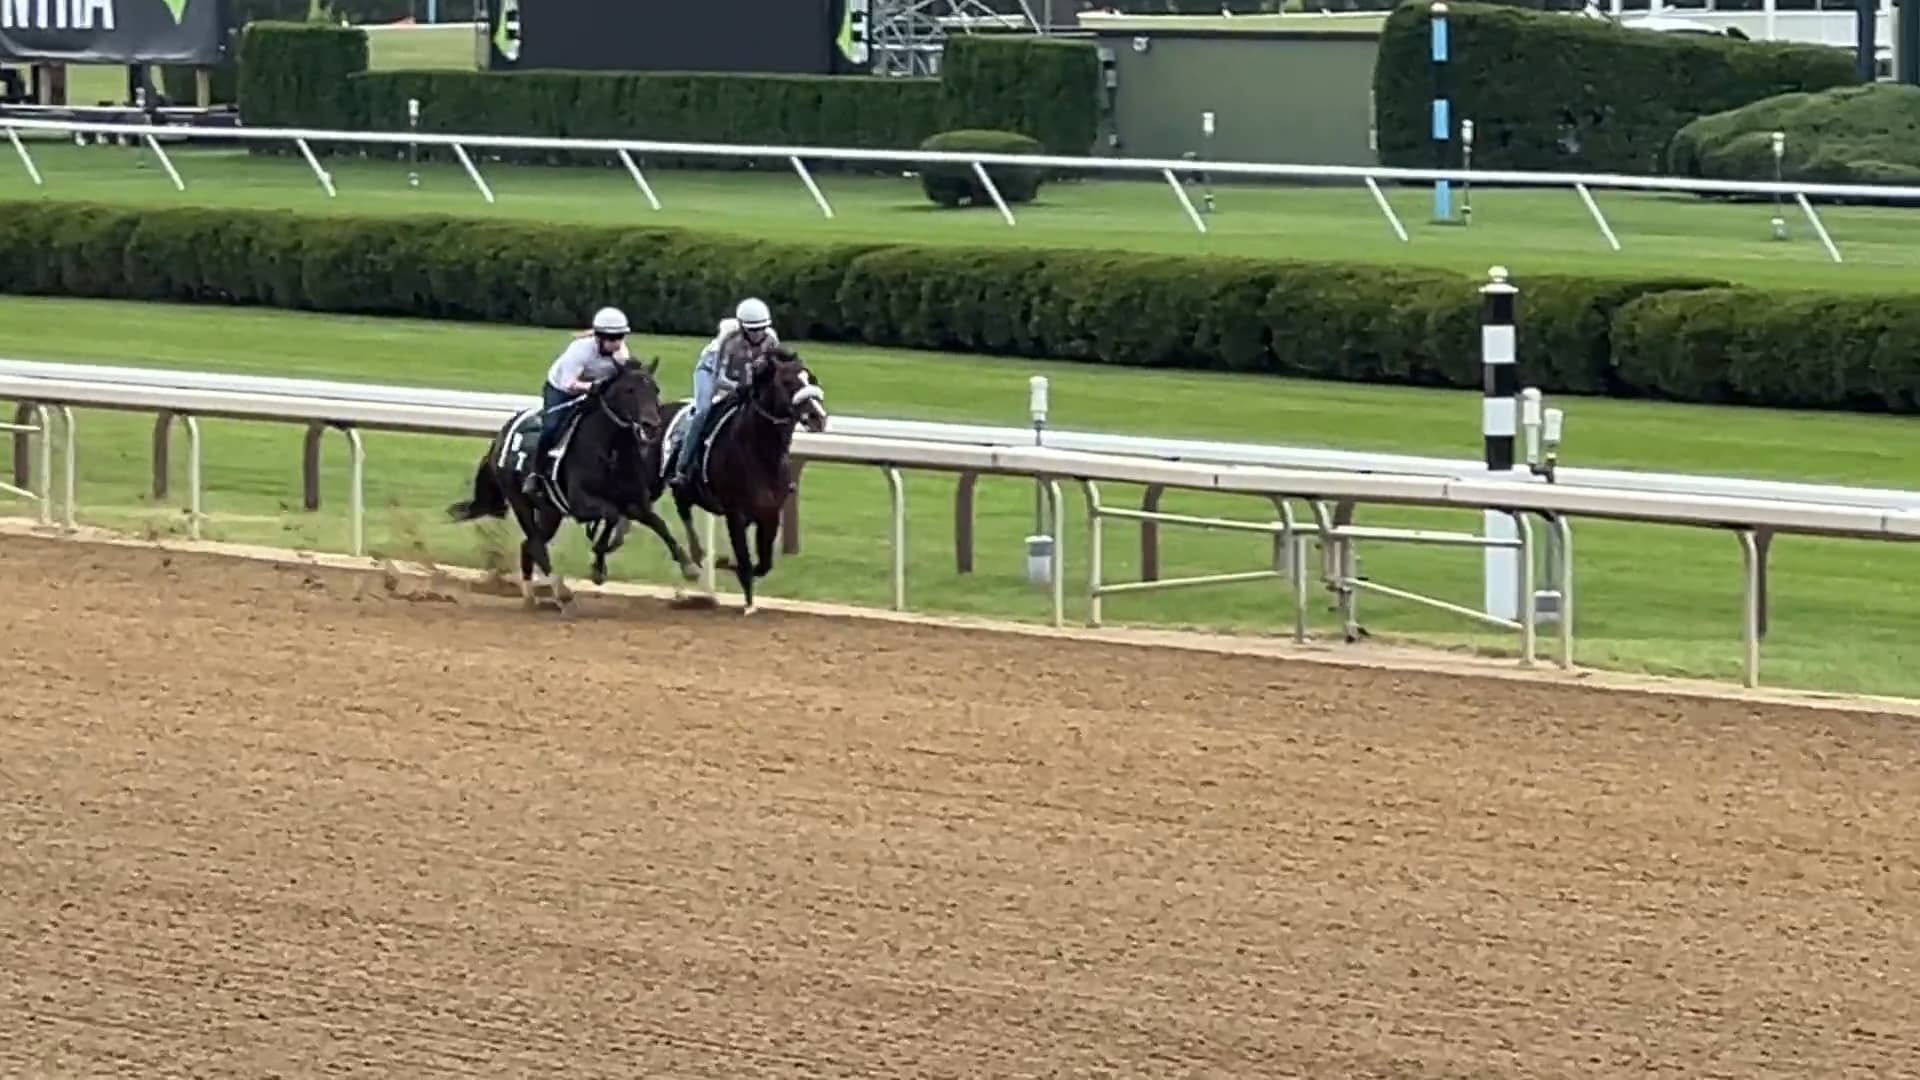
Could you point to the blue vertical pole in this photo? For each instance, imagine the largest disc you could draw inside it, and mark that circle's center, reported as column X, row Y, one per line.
column 1442, row 118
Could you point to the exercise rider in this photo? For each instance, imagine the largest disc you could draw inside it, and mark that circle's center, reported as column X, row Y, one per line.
column 587, row 359
column 743, row 341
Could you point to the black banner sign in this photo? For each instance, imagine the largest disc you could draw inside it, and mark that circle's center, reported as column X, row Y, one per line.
column 790, row 36
column 113, row 31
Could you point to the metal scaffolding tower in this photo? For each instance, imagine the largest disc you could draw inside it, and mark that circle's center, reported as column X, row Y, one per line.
column 906, row 36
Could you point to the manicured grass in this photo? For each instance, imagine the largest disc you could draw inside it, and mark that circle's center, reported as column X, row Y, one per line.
column 1527, row 231
column 1659, row 599
column 447, row 47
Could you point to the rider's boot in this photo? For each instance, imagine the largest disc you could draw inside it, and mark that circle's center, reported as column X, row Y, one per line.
column 530, row 485
column 689, row 449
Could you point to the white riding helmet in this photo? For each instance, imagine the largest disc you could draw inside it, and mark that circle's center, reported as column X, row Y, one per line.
column 753, row 314
column 611, row 322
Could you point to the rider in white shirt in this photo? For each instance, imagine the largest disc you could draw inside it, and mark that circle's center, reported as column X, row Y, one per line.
column 586, row 360
column 743, row 341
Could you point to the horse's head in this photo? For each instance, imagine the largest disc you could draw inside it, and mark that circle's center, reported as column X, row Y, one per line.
column 787, row 391
column 632, row 397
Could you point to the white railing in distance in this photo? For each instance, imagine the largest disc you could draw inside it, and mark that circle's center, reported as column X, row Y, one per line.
column 795, row 156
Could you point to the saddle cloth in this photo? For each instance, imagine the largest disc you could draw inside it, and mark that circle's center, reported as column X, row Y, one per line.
column 523, row 434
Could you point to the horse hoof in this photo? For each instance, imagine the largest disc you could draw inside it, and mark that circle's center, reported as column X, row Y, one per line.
column 599, row 575
column 748, row 610
column 690, row 572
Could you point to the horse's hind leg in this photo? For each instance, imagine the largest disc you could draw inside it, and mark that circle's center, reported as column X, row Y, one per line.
column 548, row 524
column 526, row 571
column 533, row 550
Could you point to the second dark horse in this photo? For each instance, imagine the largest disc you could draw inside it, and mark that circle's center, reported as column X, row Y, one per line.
column 745, row 478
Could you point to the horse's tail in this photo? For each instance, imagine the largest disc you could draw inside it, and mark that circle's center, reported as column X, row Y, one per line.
column 488, row 500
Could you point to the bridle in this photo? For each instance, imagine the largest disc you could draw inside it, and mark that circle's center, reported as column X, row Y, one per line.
column 791, row 416
column 635, row 428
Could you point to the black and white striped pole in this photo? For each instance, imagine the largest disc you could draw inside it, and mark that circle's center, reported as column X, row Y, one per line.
column 1499, row 421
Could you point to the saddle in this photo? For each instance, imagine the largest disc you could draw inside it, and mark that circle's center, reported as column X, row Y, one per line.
column 523, row 434
column 677, row 439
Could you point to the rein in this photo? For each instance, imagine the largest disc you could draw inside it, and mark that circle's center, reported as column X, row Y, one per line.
column 631, row 427
column 792, row 416
column 786, row 421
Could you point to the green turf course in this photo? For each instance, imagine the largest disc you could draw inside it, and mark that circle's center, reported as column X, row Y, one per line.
column 1658, row 599
column 1528, row 231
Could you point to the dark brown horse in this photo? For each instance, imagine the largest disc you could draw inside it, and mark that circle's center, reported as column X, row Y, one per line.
column 745, row 478
column 601, row 481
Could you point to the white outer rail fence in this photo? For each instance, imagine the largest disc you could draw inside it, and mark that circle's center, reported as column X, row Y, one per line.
column 1168, row 169
column 1149, row 517
column 1746, row 517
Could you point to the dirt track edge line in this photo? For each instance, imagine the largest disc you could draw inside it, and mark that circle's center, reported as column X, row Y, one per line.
column 1375, row 657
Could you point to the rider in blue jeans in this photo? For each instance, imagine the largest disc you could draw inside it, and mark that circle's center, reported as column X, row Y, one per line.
column 586, row 360
column 743, row 340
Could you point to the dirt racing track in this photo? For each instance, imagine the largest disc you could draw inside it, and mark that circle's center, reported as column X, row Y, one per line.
column 279, row 820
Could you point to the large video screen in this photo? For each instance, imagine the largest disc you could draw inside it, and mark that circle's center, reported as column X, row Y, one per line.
column 791, row 36
column 113, row 31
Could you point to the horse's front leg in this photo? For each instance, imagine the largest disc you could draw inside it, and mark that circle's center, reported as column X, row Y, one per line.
column 608, row 537
column 766, row 530
column 646, row 515
column 685, row 507
column 742, row 566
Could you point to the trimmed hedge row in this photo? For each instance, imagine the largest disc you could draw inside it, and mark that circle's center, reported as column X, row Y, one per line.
column 178, row 82
column 297, row 75
column 950, row 185
column 1853, row 135
column 785, row 110
column 1544, row 90
column 1685, row 339
column 1045, row 88
column 315, row 76
column 1750, row 347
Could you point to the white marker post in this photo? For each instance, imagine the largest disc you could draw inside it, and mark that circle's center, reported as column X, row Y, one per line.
column 1779, row 161
column 413, row 148
column 1466, row 186
column 1039, row 543
column 1206, row 154
column 1546, row 598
